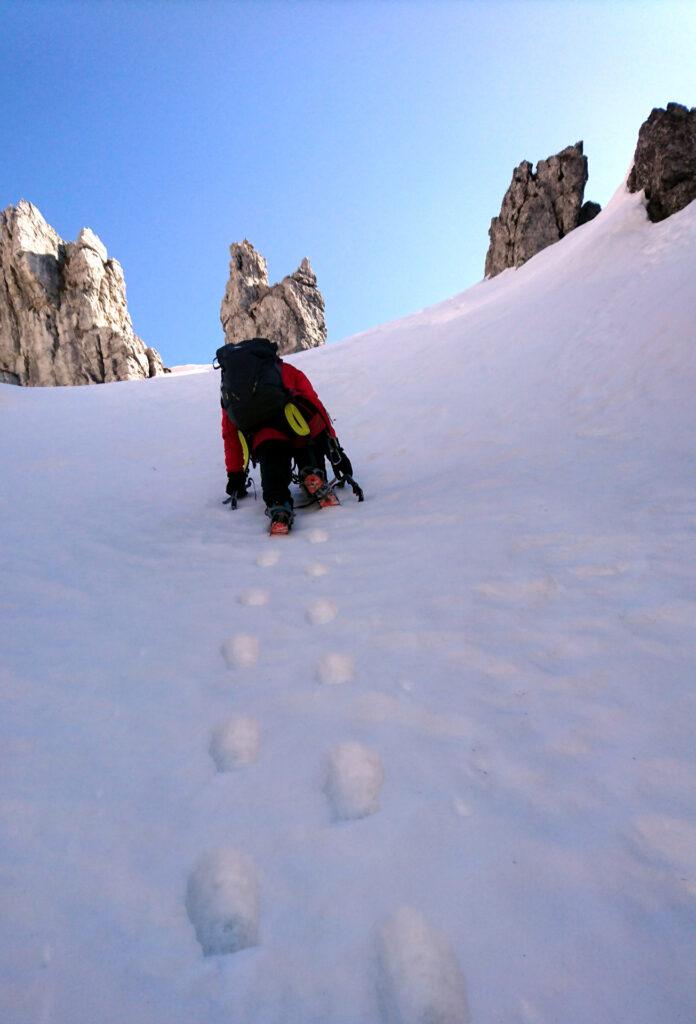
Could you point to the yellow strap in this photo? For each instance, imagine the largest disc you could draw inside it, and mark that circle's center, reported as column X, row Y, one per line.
column 296, row 420
column 245, row 448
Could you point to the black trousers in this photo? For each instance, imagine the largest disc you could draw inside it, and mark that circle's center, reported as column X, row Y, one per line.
column 275, row 460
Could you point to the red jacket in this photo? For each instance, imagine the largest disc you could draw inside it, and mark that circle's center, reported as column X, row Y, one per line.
column 296, row 384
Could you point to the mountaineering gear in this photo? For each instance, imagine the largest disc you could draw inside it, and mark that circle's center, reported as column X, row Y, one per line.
column 342, row 467
column 314, row 483
column 296, row 420
column 328, row 500
column 281, row 517
column 245, row 449
column 278, row 528
column 338, row 458
column 300, row 393
column 236, row 484
column 251, row 386
column 354, row 485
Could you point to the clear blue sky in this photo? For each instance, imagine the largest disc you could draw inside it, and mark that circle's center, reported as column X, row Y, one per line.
column 375, row 137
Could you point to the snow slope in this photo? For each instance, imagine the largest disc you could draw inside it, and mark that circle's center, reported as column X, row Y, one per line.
column 429, row 752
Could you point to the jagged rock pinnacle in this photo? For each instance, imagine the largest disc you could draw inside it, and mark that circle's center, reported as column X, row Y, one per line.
column 290, row 313
column 539, row 208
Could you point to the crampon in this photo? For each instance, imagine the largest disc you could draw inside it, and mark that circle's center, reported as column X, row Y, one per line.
column 319, row 490
column 281, row 520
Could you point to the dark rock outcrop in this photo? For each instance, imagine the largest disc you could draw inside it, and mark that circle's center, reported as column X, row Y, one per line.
column 588, row 212
column 665, row 161
column 63, row 313
column 539, row 208
column 290, row 313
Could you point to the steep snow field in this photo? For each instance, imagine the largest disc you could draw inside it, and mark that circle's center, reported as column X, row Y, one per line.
column 432, row 750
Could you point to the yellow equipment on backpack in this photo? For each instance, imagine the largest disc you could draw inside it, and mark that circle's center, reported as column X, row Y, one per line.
column 245, row 448
column 296, row 420
column 298, row 424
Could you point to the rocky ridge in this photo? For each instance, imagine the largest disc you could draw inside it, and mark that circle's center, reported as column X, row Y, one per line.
column 664, row 164
column 290, row 313
column 63, row 312
column 539, row 208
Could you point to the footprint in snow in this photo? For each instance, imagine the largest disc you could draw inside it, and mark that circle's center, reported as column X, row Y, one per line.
column 419, row 979
column 317, row 536
column 235, row 743
column 254, row 598
column 316, row 569
column 268, row 558
column 321, row 611
column 222, row 902
column 241, row 651
column 353, row 780
column 333, row 669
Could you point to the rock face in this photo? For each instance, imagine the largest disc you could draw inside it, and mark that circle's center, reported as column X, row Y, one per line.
column 665, row 161
column 539, row 208
column 63, row 313
column 290, row 313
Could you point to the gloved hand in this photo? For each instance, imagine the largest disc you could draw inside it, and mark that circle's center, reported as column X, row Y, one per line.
column 338, row 458
column 236, row 484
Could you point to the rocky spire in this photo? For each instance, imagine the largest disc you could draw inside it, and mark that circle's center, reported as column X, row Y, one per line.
column 63, row 313
column 539, row 208
column 290, row 313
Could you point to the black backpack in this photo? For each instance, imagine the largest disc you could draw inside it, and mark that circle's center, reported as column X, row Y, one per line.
column 251, row 389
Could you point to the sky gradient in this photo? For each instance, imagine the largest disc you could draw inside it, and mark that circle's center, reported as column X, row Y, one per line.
column 376, row 138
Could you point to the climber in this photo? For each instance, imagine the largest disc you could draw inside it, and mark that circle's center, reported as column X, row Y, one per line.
column 271, row 408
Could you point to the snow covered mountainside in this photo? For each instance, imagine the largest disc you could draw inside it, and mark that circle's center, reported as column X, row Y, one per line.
column 430, row 757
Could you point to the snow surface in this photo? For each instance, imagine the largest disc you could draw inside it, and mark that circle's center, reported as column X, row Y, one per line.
column 187, row 368
column 353, row 780
column 514, row 636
